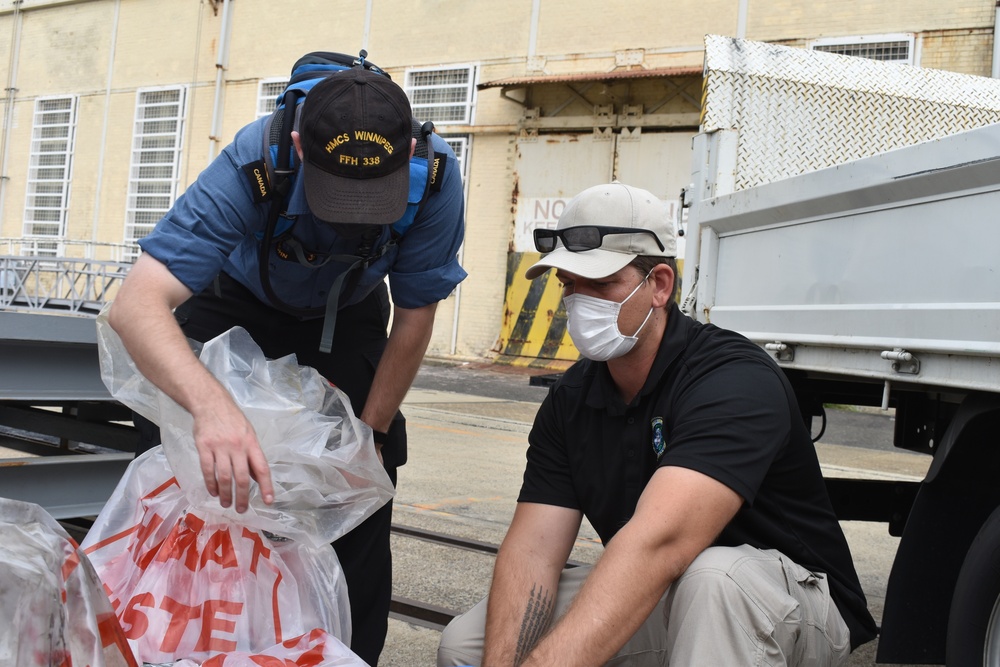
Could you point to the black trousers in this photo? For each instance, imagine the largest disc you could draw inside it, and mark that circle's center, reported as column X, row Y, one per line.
column 358, row 344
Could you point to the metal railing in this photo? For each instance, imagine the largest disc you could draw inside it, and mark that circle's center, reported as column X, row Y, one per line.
column 32, row 281
column 39, row 246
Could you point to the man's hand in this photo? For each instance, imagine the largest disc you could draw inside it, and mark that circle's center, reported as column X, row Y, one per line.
column 142, row 314
column 229, row 452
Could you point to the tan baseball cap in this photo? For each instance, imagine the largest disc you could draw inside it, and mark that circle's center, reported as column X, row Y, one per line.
column 606, row 206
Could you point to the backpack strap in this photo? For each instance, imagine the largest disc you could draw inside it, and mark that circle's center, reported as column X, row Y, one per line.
column 281, row 165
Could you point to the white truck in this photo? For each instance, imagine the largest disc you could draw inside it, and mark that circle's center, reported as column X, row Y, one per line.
column 845, row 215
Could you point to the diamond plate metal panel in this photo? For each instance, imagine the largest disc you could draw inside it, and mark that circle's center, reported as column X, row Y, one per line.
column 798, row 110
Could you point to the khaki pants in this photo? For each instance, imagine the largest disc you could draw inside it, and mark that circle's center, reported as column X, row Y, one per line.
column 733, row 607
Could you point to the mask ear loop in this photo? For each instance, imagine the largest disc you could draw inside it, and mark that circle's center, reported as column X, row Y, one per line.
column 648, row 315
column 641, row 283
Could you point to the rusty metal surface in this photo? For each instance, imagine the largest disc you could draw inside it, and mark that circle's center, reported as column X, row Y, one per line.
column 614, row 75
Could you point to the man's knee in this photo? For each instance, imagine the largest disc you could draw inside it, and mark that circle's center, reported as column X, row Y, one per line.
column 462, row 639
column 751, row 601
column 740, row 582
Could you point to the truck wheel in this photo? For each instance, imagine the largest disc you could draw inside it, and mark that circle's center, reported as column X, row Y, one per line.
column 974, row 621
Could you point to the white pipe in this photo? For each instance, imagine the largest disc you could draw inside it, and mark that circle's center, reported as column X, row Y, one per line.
column 221, row 65
column 458, row 288
column 457, row 306
column 104, row 131
column 15, row 48
column 536, row 8
column 368, row 25
column 741, row 19
column 996, row 42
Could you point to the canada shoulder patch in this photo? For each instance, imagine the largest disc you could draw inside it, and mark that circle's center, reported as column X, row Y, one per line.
column 260, row 184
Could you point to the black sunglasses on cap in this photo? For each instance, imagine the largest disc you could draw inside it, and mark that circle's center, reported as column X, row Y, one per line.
column 583, row 238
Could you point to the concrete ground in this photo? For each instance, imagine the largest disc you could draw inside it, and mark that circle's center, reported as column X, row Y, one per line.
column 467, row 437
column 466, row 456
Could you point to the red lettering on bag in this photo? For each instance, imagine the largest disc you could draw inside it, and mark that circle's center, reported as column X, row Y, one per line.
column 267, row 661
column 69, row 565
column 180, row 616
column 219, row 549
column 136, row 620
column 115, row 602
column 258, row 548
column 276, row 615
column 210, row 622
column 139, row 557
column 182, row 543
column 313, row 656
column 161, row 488
column 312, row 635
column 111, row 634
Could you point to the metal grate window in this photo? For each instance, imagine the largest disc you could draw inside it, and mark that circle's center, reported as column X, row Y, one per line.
column 460, row 144
column 50, row 172
column 888, row 48
column 156, row 156
column 267, row 95
column 444, row 95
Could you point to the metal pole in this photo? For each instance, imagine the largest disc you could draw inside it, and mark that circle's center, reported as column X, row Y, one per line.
column 221, row 65
column 91, row 250
column 741, row 19
column 8, row 116
column 995, row 73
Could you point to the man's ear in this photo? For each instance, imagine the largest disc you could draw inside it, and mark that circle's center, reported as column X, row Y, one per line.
column 297, row 141
column 663, row 282
column 413, row 147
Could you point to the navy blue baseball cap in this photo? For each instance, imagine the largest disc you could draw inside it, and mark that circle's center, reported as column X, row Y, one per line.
column 355, row 130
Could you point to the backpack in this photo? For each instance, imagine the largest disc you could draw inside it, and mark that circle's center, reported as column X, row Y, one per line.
column 272, row 178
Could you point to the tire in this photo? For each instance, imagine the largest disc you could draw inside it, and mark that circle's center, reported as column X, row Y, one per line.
column 974, row 620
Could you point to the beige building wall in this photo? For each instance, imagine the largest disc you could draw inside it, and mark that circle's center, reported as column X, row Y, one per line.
column 104, row 51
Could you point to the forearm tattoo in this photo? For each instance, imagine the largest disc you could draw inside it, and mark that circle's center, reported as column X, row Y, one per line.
column 534, row 622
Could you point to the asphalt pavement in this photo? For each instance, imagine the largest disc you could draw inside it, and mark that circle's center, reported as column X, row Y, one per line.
column 468, row 426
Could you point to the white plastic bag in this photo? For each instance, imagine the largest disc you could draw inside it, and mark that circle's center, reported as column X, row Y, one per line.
column 194, row 584
column 53, row 608
column 193, row 581
column 324, row 467
column 314, row 648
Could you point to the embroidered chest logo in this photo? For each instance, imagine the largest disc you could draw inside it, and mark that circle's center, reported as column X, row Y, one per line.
column 658, row 439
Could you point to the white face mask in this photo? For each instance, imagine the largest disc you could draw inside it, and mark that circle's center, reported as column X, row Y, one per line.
column 593, row 325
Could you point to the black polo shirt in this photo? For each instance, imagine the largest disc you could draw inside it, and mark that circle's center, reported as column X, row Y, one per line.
column 714, row 402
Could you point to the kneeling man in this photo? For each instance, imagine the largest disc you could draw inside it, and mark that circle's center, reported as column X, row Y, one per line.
column 683, row 445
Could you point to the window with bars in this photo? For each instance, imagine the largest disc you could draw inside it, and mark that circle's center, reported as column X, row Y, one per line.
column 445, row 95
column 50, row 172
column 460, row 144
column 156, row 155
column 889, row 48
column 267, row 94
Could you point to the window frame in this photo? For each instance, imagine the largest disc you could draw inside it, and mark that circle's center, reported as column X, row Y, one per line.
column 273, row 101
column 465, row 141
column 36, row 156
column 469, row 104
column 135, row 191
column 859, row 40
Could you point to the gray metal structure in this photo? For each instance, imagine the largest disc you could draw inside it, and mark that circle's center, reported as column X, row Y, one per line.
column 64, row 443
column 883, row 268
column 872, row 282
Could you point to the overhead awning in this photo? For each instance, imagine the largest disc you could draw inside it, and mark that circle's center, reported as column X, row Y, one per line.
column 521, row 81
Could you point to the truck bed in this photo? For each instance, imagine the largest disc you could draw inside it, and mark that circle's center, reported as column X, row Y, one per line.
column 887, row 267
